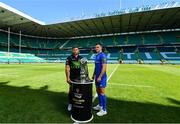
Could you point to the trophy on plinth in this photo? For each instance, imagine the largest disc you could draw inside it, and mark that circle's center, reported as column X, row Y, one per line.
column 82, row 95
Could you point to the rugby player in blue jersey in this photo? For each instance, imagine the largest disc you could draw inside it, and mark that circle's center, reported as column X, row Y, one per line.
column 100, row 79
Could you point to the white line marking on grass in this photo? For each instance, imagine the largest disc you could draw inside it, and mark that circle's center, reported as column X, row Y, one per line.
column 130, row 85
column 112, row 72
column 96, row 95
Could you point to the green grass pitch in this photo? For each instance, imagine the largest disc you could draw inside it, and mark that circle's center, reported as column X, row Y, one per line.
column 136, row 93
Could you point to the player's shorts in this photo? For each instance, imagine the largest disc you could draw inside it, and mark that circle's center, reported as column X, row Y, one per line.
column 101, row 84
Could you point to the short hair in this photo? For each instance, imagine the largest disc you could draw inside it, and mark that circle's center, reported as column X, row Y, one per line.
column 75, row 47
column 99, row 44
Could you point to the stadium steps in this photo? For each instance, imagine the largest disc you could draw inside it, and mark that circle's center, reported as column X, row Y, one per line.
column 120, row 55
column 121, row 40
column 127, row 40
column 114, row 41
column 143, row 40
column 64, row 44
column 161, row 39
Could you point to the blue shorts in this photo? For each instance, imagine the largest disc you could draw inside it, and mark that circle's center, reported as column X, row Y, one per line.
column 101, row 84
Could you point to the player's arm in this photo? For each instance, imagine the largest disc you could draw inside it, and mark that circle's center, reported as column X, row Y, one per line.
column 67, row 71
column 104, row 66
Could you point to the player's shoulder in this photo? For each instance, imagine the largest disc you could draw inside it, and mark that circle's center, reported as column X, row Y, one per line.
column 69, row 57
column 103, row 54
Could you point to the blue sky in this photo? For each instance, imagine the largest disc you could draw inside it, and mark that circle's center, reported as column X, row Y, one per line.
column 51, row 11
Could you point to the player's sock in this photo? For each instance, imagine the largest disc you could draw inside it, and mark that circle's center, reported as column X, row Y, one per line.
column 104, row 102
column 100, row 101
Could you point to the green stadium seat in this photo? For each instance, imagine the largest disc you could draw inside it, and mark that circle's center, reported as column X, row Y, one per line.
column 19, row 57
column 59, row 49
column 108, row 41
column 135, row 39
column 151, row 39
column 171, row 37
column 121, row 40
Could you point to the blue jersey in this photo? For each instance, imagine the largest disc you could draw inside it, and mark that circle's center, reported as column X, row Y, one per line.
column 99, row 61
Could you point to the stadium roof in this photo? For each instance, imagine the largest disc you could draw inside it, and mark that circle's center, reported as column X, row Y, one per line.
column 158, row 19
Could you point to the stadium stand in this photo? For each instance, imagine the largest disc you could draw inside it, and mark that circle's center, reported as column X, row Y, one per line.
column 145, row 39
column 131, row 48
column 19, row 58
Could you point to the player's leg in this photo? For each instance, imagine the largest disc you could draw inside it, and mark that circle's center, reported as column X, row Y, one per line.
column 102, row 97
column 99, row 98
column 70, row 98
column 99, row 106
column 103, row 100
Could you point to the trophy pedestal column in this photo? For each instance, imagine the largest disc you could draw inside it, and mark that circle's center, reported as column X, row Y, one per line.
column 82, row 102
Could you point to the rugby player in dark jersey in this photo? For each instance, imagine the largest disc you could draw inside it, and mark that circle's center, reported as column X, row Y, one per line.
column 72, row 71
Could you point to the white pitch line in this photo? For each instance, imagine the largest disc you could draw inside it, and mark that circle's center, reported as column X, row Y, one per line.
column 130, row 85
column 96, row 95
column 112, row 73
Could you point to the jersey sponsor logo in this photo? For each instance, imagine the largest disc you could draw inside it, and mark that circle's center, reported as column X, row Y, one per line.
column 77, row 90
column 75, row 64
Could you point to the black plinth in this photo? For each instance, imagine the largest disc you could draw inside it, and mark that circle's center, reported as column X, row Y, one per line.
column 82, row 102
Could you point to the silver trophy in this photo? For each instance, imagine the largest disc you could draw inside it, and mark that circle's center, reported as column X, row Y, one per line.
column 84, row 74
column 82, row 95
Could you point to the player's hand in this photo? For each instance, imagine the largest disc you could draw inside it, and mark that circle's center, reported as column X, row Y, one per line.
column 68, row 81
column 99, row 79
column 93, row 77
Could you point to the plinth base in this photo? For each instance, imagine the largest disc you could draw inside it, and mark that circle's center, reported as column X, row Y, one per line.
column 77, row 121
column 81, row 102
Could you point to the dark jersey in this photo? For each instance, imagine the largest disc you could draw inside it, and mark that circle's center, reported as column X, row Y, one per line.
column 74, row 64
